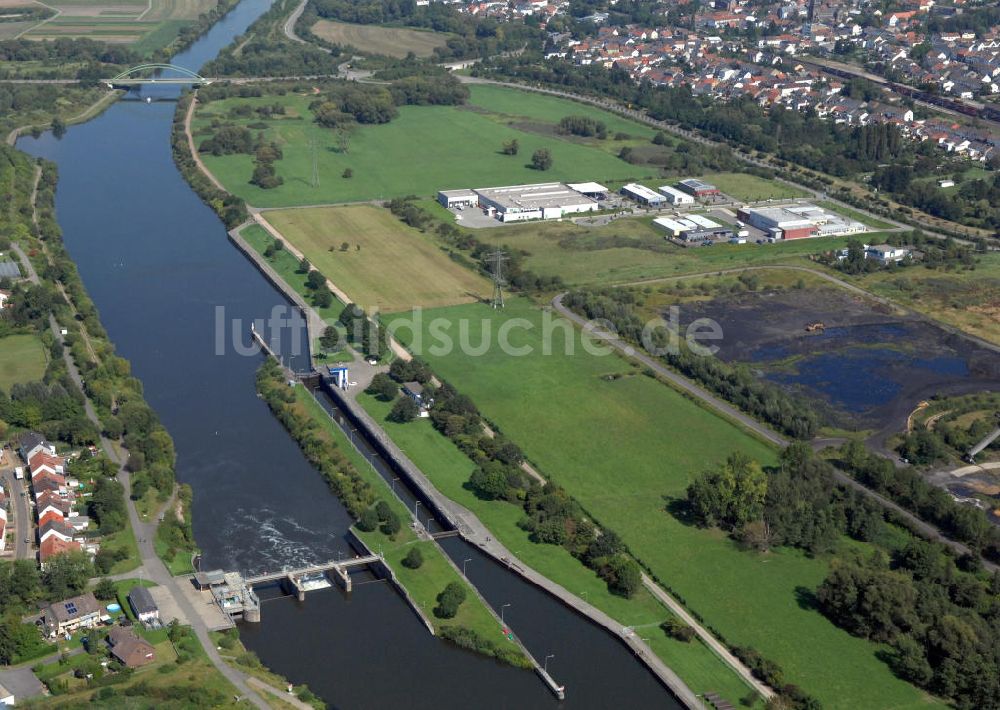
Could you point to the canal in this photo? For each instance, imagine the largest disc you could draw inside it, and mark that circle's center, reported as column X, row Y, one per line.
column 163, row 275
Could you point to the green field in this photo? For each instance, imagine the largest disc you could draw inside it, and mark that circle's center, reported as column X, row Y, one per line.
column 625, row 448
column 431, row 147
column 373, row 39
column 22, row 359
column 449, row 469
column 387, row 265
column 750, row 188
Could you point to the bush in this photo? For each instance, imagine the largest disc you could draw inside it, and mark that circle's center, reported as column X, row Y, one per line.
column 414, row 558
column 449, row 600
column 391, row 525
column 368, row 520
column 677, row 629
column 404, row 410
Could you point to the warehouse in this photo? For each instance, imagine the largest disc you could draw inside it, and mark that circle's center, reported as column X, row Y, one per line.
column 827, row 224
column 703, row 221
column 591, row 189
column 777, row 222
column 643, row 195
column 706, row 234
column 676, row 197
column 698, row 188
column 549, row 200
column 673, row 227
column 458, row 198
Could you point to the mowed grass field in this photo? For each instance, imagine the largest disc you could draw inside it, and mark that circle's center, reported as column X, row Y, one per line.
column 391, row 41
column 625, row 447
column 751, row 188
column 22, row 359
column 423, row 150
column 387, row 264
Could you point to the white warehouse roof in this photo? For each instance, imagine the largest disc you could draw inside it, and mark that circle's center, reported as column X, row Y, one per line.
column 703, row 221
column 586, row 187
column 643, row 192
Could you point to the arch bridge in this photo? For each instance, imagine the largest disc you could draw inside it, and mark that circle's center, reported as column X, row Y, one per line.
column 133, row 77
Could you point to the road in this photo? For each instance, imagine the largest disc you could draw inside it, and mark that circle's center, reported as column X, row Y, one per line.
column 925, row 529
column 22, row 514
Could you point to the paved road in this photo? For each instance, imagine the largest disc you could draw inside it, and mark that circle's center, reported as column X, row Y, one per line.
column 924, row 528
column 22, row 514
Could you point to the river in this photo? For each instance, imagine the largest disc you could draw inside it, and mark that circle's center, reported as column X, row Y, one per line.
column 160, row 269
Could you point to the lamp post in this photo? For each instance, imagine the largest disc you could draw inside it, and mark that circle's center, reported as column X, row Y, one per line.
column 467, row 559
column 416, row 506
column 502, row 607
column 545, row 664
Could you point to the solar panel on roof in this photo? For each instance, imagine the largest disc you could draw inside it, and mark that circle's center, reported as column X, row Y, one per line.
column 71, row 608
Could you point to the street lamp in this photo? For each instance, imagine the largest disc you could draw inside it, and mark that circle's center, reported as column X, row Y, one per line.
column 545, row 665
column 467, row 559
column 416, row 505
column 502, row 607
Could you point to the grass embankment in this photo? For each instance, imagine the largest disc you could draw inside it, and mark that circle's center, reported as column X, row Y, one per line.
column 373, row 39
column 298, row 408
column 626, row 448
column 386, row 265
column 23, row 359
column 287, row 267
column 432, row 147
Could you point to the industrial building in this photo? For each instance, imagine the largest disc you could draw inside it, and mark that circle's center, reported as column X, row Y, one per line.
column 698, row 188
column 798, row 221
column 692, row 230
column 675, row 196
column 708, row 234
column 777, row 222
column 591, row 189
column 458, row 198
column 643, row 195
column 549, row 200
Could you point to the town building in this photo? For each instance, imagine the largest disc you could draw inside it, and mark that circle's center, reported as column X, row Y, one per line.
column 54, row 545
column 518, row 203
column 643, row 195
column 143, row 605
column 675, row 196
column 886, row 253
column 129, row 649
column 81, row 612
column 698, row 188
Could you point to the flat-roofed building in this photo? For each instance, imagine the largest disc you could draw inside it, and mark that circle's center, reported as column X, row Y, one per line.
column 698, row 188
column 672, row 226
column 703, row 221
column 458, row 198
column 778, row 222
column 642, row 194
column 590, row 189
column 548, row 200
column 675, row 196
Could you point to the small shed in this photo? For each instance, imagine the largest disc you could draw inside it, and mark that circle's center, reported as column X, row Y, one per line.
column 207, row 580
column 415, row 391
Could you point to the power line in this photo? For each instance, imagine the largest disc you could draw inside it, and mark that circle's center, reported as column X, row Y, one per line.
column 497, row 258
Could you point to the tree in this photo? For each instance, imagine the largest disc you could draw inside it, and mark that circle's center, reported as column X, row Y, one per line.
column 404, row 410
column 105, row 589
column 732, row 496
column 510, row 147
column 347, row 174
column 541, row 159
column 623, row 576
column 450, row 598
column 304, row 266
column 677, row 629
column 368, row 520
column 344, row 246
column 67, row 574
column 391, row 525
column 323, row 298
column 414, row 558
column 331, row 338
column 383, row 387
column 58, row 127
column 315, row 279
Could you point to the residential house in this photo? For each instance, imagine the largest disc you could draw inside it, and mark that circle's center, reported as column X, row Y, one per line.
column 81, row 612
column 129, row 649
column 53, row 546
column 143, row 605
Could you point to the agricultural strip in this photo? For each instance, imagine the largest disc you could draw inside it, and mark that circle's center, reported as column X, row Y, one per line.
column 372, row 39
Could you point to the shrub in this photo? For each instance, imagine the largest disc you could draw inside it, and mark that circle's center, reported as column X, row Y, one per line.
column 677, row 629
column 368, row 520
column 414, row 558
column 449, row 600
